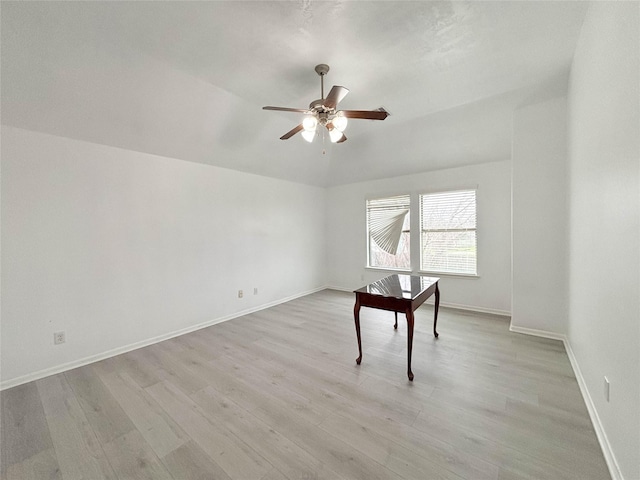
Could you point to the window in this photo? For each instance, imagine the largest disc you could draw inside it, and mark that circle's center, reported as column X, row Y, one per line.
column 448, row 232
column 388, row 221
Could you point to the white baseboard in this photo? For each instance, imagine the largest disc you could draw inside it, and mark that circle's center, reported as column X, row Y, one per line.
column 539, row 333
column 609, row 456
column 341, row 289
column 14, row 382
column 472, row 308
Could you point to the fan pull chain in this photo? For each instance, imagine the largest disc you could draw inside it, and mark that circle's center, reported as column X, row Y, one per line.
column 324, row 143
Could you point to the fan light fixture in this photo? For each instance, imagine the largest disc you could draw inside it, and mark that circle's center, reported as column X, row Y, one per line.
column 335, row 124
column 324, row 112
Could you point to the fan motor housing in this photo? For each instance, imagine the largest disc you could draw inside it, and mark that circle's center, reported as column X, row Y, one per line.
column 318, row 106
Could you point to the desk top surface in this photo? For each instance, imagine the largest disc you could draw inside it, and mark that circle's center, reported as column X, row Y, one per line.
column 399, row 286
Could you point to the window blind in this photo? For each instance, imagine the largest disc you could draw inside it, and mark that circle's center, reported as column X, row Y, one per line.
column 385, row 218
column 448, row 232
column 388, row 231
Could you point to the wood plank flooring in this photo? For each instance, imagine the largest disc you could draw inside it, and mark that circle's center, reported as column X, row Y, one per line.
column 277, row 395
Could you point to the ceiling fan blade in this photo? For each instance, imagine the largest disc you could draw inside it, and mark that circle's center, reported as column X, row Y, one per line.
column 342, row 139
column 292, row 132
column 379, row 114
column 286, row 109
column 336, row 94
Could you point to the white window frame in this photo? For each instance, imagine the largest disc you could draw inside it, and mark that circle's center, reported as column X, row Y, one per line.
column 474, row 229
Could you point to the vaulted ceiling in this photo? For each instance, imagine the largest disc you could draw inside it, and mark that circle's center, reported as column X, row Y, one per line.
column 188, row 79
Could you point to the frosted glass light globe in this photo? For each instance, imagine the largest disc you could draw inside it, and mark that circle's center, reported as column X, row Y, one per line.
column 309, row 123
column 340, row 122
column 308, row 135
column 335, row 135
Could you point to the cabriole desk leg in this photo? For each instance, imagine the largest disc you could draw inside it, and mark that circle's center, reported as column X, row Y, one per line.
column 356, row 317
column 409, row 342
column 435, row 311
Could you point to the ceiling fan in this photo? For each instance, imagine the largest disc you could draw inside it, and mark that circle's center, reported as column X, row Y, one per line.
column 324, row 112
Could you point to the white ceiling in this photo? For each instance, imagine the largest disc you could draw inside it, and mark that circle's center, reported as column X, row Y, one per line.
column 188, row 79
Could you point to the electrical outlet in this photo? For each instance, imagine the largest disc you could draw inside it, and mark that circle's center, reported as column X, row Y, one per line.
column 58, row 338
column 240, row 293
column 607, row 389
column 255, row 291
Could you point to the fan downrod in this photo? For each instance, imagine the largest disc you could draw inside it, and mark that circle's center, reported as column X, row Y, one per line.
column 322, row 70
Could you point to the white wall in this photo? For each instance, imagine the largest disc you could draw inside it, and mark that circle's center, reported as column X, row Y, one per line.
column 604, row 223
column 539, row 202
column 347, row 242
column 117, row 247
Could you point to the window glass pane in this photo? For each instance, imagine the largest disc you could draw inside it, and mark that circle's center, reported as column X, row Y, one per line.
column 388, row 222
column 449, row 210
column 448, row 232
column 452, row 252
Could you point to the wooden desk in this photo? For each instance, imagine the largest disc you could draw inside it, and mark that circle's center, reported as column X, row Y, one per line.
column 397, row 293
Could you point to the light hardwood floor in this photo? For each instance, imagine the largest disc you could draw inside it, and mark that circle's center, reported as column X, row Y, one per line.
column 277, row 395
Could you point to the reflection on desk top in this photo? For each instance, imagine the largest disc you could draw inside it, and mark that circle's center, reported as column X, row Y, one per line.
column 399, row 286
